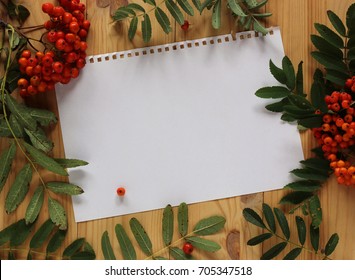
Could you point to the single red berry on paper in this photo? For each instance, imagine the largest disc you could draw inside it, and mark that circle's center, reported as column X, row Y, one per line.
column 121, row 191
column 188, row 248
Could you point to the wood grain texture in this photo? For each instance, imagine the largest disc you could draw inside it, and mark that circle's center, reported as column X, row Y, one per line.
column 296, row 19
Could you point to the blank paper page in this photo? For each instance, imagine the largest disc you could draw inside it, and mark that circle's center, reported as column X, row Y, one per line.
column 176, row 123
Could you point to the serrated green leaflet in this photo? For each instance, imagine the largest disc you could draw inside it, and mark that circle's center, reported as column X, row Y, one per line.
column 45, row 161
column 337, row 23
column 350, row 16
column 65, row 188
column 262, row 15
column 42, row 234
column 35, row 205
column 120, row 14
column 251, row 3
column 317, row 97
column 168, row 225
column 236, row 9
column 252, row 217
column 304, row 186
column 296, row 197
column 21, row 113
column 146, row 28
column 6, row 159
column 269, row 217
column 21, row 233
column 301, row 229
column 4, row 129
column 300, row 101
column 274, row 251
column 277, row 72
column 311, row 122
column 56, row 241
column 163, row 20
column 277, row 107
column 57, row 213
column 258, row 27
column 106, row 247
column 16, row 127
column 287, row 117
column 272, row 92
column 141, row 236
column 133, row 28
column 83, row 255
column 319, row 164
column 259, row 5
column 315, row 211
column 336, row 77
column 177, row 253
column 150, row 2
column 183, row 218
column 70, row 163
column 6, row 233
column 297, row 112
column 314, row 236
column 259, row 239
column 126, row 246
column 203, row 244
column 185, row 5
column 135, row 7
column 289, row 73
column 44, row 117
column 197, row 4
column 216, row 15
column 331, row 244
column 325, row 47
column 299, row 79
column 281, row 218
column 39, row 140
column 19, row 189
column 293, row 254
column 175, row 11
column 209, row 225
column 329, row 35
column 310, row 174
column 329, row 62
column 73, row 247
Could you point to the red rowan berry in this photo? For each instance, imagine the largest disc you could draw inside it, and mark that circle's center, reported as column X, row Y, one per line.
column 185, row 26
column 121, row 191
column 188, row 248
column 26, row 53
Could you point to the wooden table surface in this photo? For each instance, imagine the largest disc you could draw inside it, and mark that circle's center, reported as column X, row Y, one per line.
column 296, row 19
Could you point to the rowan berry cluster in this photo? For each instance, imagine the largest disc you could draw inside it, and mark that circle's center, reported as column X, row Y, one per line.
column 66, row 33
column 337, row 134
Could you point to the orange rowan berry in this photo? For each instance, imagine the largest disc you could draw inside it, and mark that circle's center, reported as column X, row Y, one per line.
column 121, row 191
column 327, row 118
column 340, row 163
column 325, row 127
column 348, row 118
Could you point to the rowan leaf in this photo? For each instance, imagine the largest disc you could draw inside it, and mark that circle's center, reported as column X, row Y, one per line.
column 258, row 27
column 146, row 28
column 314, row 236
column 177, row 253
column 6, row 233
column 19, row 189
column 70, row 163
column 293, row 254
column 317, row 97
column 126, row 246
column 168, row 225
column 106, row 247
column 329, row 35
column 315, row 210
column 236, row 9
column 42, row 234
column 64, row 188
column 329, row 62
column 20, row 233
column 35, row 205
column 281, row 218
column 56, row 241
column 252, row 217
column 289, row 73
column 295, row 197
column 277, row 72
column 6, row 159
column 43, row 117
column 73, row 247
column 331, row 244
column 45, row 161
column 272, row 92
column 216, row 14
column 259, row 239
column 209, row 225
column 16, row 127
column 304, row 186
column 185, row 5
column 269, row 217
column 57, row 213
column 133, row 28
column 203, row 244
column 39, row 140
column 183, row 219
column 163, row 20
column 274, row 251
column 301, row 229
column 175, row 11
column 325, row 47
column 141, row 236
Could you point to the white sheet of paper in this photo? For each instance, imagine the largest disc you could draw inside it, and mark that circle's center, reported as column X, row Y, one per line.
column 175, row 126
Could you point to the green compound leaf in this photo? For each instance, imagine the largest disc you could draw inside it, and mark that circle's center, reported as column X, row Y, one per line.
column 269, row 217
column 216, row 14
column 168, row 225
column 146, row 28
column 19, row 189
column 315, row 211
column 185, row 5
column 325, row 47
column 209, row 225
column 281, row 218
column 39, row 140
column 203, row 244
column 259, row 239
column 331, row 244
column 252, row 217
column 70, row 163
column 177, row 253
column 278, row 73
column 6, row 159
column 42, row 234
column 56, row 241
column 183, row 219
column 329, row 62
column 133, row 28
column 106, row 247
column 45, row 161
column 57, row 213
column 272, row 92
column 329, row 35
column 126, row 246
column 35, row 205
column 163, row 20
column 64, row 188
column 274, row 251
column 141, row 236
column 175, row 11
column 301, row 229
column 314, row 236
column 73, row 248
column 293, row 254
